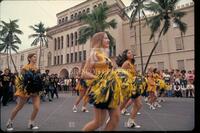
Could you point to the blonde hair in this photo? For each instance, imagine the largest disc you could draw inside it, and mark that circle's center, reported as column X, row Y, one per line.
column 97, row 40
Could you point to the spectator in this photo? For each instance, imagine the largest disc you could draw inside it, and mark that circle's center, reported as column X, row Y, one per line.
column 177, row 90
column 183, row 82
column 190, row 77
column 190, row 89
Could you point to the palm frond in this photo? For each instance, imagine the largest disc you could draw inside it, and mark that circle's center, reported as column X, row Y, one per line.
column 35, row 42
column 154, row 24
column 182, row 26
column 33, row 35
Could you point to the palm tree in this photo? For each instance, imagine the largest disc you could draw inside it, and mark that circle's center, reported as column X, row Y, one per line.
column 137, row 7
column 40, row 37
column 96, row 23
column 9, row 39
column 165, row 11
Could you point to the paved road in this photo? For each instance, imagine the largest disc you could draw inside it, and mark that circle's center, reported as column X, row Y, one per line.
column 176, row 114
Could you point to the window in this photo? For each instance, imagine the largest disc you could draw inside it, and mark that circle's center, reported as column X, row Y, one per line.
column 55, row 44
column 83, row 11
column 79, row 36
column 95, row 6
column 63, row 20
column 61, row 42
column 66, row 19
column 58, row 42
column 72, row 16
column 59, row 22
column 54, row 60
column 67, row 40
column 79, row 13
column 104, row 3
column 179, row 44
column 80, row 55
column 181, row 65
column 76, row 15
column 160, row 65
column 58, row 61
column 76, row 56
column 67, row 58
column 88, row 10
column 84, row 55
column 22, row 57
column 72, row 39
column 76, row 38
column 71, row 57
column 61, row 59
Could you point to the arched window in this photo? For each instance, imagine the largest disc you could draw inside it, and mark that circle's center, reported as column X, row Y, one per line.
column 59, row 21
column 83, row 11
column 88, row 10
column 63, row 20
column 95, row 6
column 76, row 15
column 79, row 13
column 66, row 19
column 72, row 16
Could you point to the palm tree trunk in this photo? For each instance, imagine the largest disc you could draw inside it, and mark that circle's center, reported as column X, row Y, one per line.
column 140, row 44
column 8, row 60
column 40, row 54
column 153, row 49
column 13, row 61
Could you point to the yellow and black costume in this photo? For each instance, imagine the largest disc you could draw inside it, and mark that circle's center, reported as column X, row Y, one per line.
column 104, row 91
column 138, row 83
column 162, row 86
column 29, row 82
column 127, row 88
column 82, row 85
column 151, row 85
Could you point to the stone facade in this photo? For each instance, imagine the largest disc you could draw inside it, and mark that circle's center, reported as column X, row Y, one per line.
column 64, row 55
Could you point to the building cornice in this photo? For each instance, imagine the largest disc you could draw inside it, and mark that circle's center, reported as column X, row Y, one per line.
column 113, row 9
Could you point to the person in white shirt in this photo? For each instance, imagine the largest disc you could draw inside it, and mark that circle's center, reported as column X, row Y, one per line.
column 190, row 90
column 177, row 90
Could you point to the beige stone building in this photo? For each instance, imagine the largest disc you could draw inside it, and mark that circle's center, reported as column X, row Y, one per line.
column 64, row 55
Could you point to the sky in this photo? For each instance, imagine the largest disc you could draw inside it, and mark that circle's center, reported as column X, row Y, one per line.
column 31, row 12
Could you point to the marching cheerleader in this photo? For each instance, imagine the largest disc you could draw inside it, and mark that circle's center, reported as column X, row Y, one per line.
column 104, row 91
column 28, row 84
column 127, row 62
column 151, row 89
column 82, row 88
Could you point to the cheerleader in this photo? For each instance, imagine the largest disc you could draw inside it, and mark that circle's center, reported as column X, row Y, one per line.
column 104, row 91
column 151, row 89
column 81, row 87
column 28, row 84
column 127, row 63
column 161, row 86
